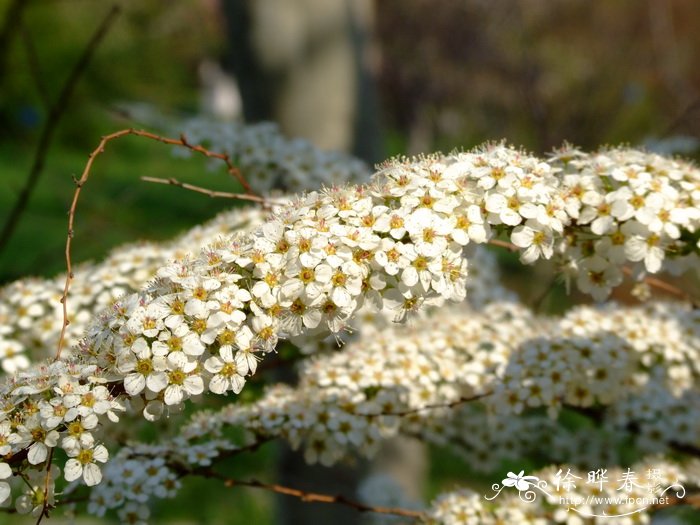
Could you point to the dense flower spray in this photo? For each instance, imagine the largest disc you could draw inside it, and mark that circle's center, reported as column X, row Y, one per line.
column 349, row 257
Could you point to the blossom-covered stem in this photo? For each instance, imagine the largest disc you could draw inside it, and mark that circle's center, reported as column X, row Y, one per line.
column 182, row 141
column 308, row 497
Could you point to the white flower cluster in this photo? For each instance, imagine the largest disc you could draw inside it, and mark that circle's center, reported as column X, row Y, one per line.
column 409, row 379
column 30, row 312
column 398, row 245
column 638, row 208
column 269, row 160
column 525, row 503
column 139, row 473
column 31, row 315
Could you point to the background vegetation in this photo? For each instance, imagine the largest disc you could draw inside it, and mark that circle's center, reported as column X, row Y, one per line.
column 449, row 74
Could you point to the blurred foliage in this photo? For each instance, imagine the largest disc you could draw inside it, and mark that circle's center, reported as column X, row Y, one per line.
column 150, row 55
column 537, row 73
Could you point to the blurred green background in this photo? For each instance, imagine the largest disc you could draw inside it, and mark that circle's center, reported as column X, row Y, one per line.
column 422, row 75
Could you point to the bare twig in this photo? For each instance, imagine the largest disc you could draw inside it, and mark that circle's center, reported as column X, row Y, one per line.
column 538, row 301
column 504, row 244
column 211, row 193
column 55, row 114
column 309, row 497
column 432, row 406
column 664, row 286
column 79, row 183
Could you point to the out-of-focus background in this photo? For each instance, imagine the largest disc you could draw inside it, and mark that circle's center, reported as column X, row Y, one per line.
column 374, row 78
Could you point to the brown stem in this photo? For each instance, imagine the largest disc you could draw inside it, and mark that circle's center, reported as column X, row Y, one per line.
column 211, row 193
column 504, row 244
column 431, row 406
column 664, row 286
column 309, row 497
column 56, row 113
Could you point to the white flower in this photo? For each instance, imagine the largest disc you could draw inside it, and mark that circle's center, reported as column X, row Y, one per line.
column 643, row 245
column 503, row 209
column 41, row 440
column 12, row 357
column 536, row 239
column 143, row 371
column 597, row 277
column 469, row 226
column 83, row 463
column 229, row 371
column 182, row 378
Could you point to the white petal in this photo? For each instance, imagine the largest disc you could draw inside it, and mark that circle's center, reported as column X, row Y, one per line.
column 218, row 384
column 237, row 383
column 409, row 277
column 4, row 492
column 134, row 384
column 340, row 296
column 73, row 470
column 226, row 353
column 241, row 363
column 194, row 385
column 157, row 382
column 37, row 453
column 173, row 395
column 213, row 364
column 100, row 453
column 192, row 345
column 92, row 474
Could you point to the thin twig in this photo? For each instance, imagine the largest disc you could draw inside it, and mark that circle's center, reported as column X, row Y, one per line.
column 538, row 301
column 504, row 244
column 47, row 481
column 211, row 193
column 54, row 118
column 309, row 497
column 664, row 286
column 431, row 406
column 79, row 183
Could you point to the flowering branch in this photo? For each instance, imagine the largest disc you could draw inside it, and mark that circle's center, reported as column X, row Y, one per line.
column 396, row 245
column 182, row 141
column 308, row 497
column 432, row 406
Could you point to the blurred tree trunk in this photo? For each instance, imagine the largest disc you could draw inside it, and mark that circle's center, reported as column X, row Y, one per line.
column 307, row 65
